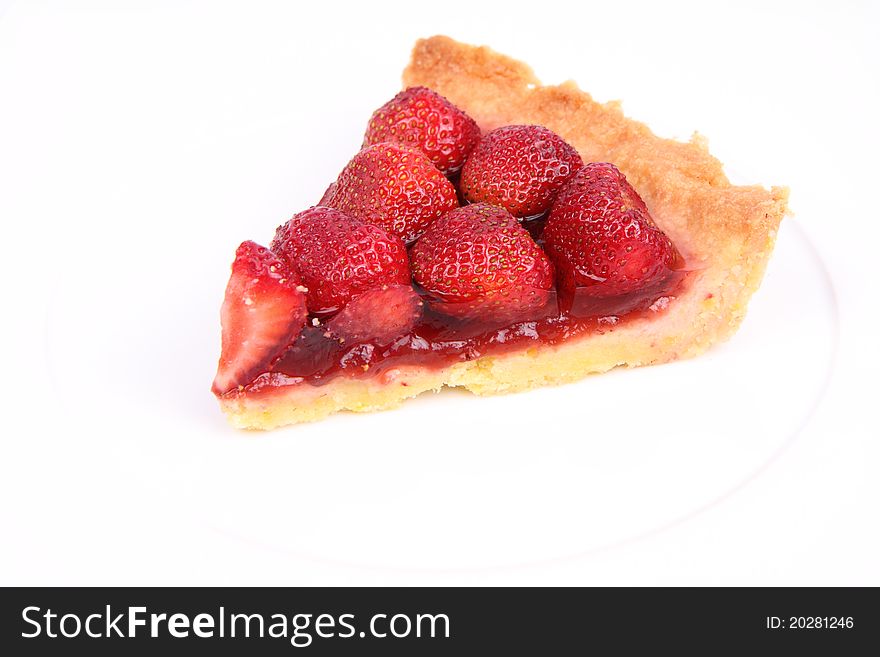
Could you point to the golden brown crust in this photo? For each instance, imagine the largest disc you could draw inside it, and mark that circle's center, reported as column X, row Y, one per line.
column 727, row 232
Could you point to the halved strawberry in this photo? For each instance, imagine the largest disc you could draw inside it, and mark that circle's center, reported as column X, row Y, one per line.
column 601, row 236
column 392, row 186
column 340, row 257
column 263, row 312
column 379, row 316
column 423, row 119
column 480, row 259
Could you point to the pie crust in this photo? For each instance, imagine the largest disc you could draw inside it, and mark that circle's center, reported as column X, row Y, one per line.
column 725, row 232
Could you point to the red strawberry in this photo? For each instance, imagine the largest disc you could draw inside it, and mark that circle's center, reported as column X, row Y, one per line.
column 480, row 256
column 519, row 167
column 423, row 119
column 379, row 315
column 339, row 256
column 601, row 235
column 264, row 310
column 394, row 187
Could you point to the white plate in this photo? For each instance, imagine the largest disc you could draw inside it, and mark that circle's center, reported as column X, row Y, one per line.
column 448, row 481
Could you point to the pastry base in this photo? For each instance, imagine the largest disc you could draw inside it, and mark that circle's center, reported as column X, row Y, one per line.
column 725, row 232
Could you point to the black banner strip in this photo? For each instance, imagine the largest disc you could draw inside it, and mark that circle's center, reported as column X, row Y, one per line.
column 444, row 621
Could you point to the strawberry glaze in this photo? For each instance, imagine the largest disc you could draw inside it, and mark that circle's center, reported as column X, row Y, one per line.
column 438, row 340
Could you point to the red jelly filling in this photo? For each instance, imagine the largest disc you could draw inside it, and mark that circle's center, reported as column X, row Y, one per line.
column 438, row 339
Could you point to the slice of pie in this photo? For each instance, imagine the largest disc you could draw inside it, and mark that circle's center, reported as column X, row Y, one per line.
column 493, row 234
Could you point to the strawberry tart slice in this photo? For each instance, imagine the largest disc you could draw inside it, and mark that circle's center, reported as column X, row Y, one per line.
column 493, row 234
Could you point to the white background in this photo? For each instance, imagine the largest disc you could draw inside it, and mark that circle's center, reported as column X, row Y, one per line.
column 141, row 141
